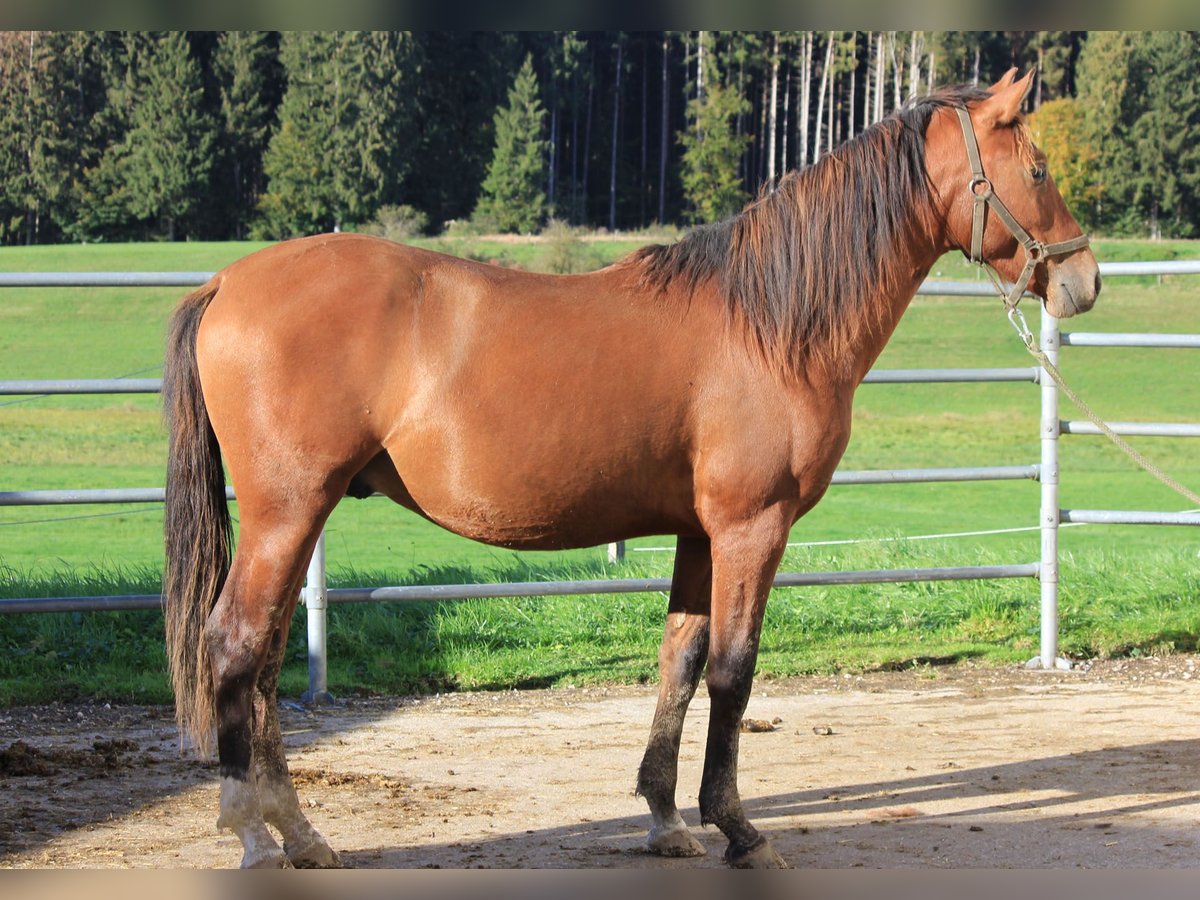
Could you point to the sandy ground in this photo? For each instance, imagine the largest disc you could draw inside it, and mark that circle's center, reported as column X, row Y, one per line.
column 933, row 767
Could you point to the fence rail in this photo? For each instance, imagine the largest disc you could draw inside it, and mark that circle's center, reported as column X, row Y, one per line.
column 316, row 596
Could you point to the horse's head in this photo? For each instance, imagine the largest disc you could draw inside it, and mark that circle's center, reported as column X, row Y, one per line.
column 1001, row 204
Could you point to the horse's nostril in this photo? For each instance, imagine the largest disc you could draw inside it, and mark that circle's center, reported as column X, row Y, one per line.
column 1098, row 283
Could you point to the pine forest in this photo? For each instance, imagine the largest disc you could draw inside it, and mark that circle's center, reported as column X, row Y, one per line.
column 127, row 136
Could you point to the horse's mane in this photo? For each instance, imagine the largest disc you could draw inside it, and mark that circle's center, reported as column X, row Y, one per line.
column 802, row 266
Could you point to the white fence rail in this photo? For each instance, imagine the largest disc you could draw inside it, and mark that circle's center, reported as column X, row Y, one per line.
column 316, row 596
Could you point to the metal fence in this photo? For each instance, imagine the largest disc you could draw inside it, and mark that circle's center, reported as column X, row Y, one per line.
column 316, row 596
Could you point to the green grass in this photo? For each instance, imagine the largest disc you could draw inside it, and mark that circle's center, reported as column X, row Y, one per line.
column 1124, row 590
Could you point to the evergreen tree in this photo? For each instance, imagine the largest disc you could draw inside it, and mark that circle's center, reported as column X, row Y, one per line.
column 48, row 93
column 1139, row 93
column 246, row 66
column 513, row 196
column 1165, row 182
column 344, row 131
column 170, row 144
column 712, row 148
column 153, row 140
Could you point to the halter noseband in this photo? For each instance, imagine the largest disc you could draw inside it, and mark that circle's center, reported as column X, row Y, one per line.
column 981, row 191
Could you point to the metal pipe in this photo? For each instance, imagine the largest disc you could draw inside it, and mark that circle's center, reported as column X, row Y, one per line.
column 950, row 376
column 316, row 602
column 441, row 592
column 429, row 592
column 83, row 386
column 1128, row 517
column 878, row 476
column 923, row 476
column 193, row 279
column 1130, row 339
column 1152, row 267
column 876, row 376
column 115, row 603
column 1048, row 517
column 104, row 279
column 97, row 495
column 1144, row 429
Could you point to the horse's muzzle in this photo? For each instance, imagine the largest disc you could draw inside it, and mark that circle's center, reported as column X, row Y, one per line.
column 1072, row 290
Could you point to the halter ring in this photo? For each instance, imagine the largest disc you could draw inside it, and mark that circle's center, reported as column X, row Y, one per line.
column 987, row 187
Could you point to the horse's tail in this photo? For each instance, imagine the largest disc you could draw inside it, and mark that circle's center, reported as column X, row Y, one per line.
column 196, row 523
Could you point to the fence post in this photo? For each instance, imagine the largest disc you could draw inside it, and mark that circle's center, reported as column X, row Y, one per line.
column 616, row 552
column 316, row 602
column 1049, row 517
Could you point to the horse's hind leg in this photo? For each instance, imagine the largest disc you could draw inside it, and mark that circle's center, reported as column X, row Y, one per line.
column 246, row 633
column 680, row 661
column 304, row 846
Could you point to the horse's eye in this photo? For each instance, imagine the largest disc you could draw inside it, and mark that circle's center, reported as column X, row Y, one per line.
column 1038, row 173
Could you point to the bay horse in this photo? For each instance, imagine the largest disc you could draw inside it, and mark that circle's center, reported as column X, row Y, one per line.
column 701, row 389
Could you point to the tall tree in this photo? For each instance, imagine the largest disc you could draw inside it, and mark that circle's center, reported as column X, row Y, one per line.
column 246, row 65
column 712, row 148
column 341, row 147
column 49, row 92
column 512, row 192
column 1139, row 93
column 169, row 148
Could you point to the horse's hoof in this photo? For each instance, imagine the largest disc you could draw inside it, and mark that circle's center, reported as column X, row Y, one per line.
column 677, row 842
column 760, row 856
column 316, row 855
column 273, row 859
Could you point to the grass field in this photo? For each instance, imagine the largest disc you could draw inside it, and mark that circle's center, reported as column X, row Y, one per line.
column 1124, row 590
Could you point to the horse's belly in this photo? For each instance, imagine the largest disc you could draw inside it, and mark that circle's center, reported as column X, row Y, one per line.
column 529, row 507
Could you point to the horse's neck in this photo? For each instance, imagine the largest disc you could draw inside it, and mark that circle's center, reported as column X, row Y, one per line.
column 894, row 305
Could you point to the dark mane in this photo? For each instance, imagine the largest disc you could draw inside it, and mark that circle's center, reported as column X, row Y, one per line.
column 803, row 266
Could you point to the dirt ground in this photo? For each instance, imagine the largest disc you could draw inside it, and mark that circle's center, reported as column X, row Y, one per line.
column 934, row 767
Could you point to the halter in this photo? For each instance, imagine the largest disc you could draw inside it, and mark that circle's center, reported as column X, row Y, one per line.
column 981, row 190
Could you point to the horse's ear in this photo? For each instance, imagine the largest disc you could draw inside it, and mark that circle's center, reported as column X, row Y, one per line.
column 1005, row 80
column 1007, row 95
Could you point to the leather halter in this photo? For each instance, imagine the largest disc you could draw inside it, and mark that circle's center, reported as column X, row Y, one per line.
column 981, row 191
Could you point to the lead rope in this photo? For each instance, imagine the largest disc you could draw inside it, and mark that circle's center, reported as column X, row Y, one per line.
column 1017, row 318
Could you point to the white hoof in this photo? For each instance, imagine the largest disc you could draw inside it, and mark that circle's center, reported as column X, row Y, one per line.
column 271, row 859
column 674, row 841
column 315, row 855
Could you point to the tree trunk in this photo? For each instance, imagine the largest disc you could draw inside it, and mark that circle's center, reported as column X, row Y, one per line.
column 880, row 71
column 787, row 122
column 914, row 64
column 552, row 176
column 587, row 141
column 666, row 136
column 853, row 77
column 575, row 152
column 1037, row 91
column 642, row 185
column 821, row 97
column 830, row 135
column 612, row 178
column 897, row 75
column 805, row 103
column 772, row 119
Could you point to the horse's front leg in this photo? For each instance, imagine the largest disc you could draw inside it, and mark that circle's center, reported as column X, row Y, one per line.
column 745, row 558
column 680, row 661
